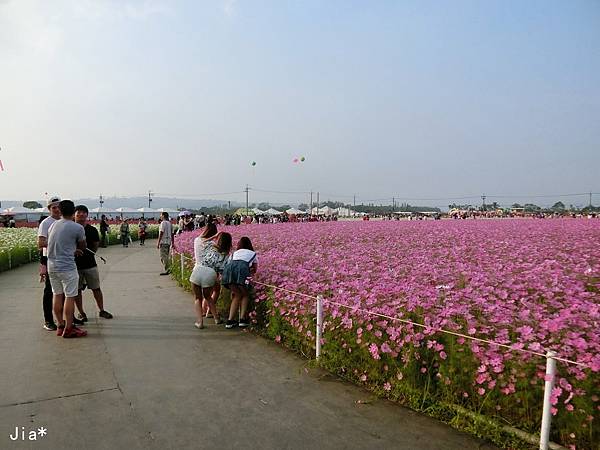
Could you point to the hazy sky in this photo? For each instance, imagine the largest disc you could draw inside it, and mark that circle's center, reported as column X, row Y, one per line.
column 413, row 99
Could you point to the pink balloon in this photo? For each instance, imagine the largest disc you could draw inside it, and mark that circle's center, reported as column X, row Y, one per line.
column 295, row 160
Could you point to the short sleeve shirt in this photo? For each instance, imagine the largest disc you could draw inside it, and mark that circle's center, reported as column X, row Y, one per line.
column 43, row 231
column 63, row 237
column 206, row 254
column 167, row 230
column 245, row 255
column 88, row 260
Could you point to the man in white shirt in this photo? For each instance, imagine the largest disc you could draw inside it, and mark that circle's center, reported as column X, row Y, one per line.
column 42, row 236
column 165, row 240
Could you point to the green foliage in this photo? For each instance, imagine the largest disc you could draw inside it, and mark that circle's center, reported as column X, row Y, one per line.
column 32, row 205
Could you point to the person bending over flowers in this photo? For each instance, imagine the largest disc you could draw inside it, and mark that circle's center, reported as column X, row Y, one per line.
column 236, row 276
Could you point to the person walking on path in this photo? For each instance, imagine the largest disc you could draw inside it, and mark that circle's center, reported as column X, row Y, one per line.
column 103, row 230
column 165, row 240
column 124, row 230
column 66, row 239
column 142, row 226
column 236, row 276
column 87, row 267
column 42, row 237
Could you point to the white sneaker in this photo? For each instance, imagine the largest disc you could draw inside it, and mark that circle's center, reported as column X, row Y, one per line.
column 199, row 325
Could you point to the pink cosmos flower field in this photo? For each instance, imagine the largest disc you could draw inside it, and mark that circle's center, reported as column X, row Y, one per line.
column 531, row 284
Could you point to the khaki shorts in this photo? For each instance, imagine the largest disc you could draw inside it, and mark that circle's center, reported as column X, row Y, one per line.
column 64, row 283
column 90, row 278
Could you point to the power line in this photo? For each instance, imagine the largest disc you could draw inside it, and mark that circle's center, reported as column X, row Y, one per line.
column 280, row 192
column 392, row 198
column 197, row 195
column 543, row 196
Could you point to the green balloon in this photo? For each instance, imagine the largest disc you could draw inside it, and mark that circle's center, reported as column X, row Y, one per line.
column 302, row 159
column 253, row 163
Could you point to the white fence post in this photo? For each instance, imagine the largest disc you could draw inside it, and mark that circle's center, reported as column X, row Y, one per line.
column 546, row 413
column 29, row 254
column 182, row 264
column 319, row 324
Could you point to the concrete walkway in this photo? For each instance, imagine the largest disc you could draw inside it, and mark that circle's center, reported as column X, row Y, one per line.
column 149, row 380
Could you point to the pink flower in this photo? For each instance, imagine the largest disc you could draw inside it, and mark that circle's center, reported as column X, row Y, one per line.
column 374, row 350
column 387, row 387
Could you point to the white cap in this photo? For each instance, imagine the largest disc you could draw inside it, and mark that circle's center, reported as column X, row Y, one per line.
column 53, row 200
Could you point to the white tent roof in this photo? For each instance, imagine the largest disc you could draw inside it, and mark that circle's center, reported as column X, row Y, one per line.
column 102, row 210
column 258, row 211
column 346, row 212
column 126, row 210
column 167, row 210
column 147, row 210
column 272, row 212
column 20, row 210
column 294, row 211
column 325, row 210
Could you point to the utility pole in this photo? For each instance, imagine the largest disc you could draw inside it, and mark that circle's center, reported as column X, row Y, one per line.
column 229, row 204
column 590, row 199
column 317, row 203
column 247, row 190
column 149, row 198
column 101, row 201
column 354, row 206
column 311, row 204
column 483, row 197
column 393, row 204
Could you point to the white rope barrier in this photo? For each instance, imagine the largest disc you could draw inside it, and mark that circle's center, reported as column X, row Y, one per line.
column 428, row 327
column 409, row 322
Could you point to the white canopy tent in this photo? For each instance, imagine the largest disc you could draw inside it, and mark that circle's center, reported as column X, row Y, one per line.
column 324, row 211
column 258, row 211
column 125, row 212
column 168, row 210
column 347, row 212
column 327, row 211
column 149, row 212
column 22, row 213
column 273, row 212
column 294, row 211
column 97, row 212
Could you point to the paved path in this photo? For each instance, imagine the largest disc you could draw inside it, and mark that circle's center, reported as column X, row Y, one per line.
column 149, row 380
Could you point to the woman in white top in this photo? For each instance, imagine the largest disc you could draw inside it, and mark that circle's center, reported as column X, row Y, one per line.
column 203, row 277
column 236, row 276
